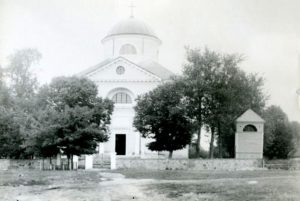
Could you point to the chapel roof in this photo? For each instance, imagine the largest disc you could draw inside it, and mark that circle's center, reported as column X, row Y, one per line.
column 131, row 26
column 250, row 116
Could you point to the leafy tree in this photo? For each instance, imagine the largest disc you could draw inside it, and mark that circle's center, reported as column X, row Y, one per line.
column 278, row 136
column 10, row 137
column 161, row 115
column 295, row 128
column 231, row 96
column 76, row 119
column 5, row 97
column 217, row 92
column 17, row 91
column 197, row 76
column 23, row 83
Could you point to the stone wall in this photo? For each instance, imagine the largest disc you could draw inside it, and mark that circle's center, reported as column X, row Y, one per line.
column 4, row 164
column 285, row 164
column 38, row 164
column 188, row 164
column 294, row 164
column 19, row 164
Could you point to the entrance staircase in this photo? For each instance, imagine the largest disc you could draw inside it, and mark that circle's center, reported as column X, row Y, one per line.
column 101, row 161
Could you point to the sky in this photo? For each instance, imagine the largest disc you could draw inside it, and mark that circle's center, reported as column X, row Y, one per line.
column 68, row 34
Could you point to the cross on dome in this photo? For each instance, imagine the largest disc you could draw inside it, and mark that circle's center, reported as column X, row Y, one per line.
column 131, row 6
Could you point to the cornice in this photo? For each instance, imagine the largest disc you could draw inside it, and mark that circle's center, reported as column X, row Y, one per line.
column 123, row 128
column 127, row 81
column 127, row 62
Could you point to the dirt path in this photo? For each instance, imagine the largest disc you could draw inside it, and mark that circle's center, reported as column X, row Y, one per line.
column 111, row 187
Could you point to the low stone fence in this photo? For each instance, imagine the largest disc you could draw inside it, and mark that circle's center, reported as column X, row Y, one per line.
column 188, row 164
column 287, row 164
column 4, row 164
column 294, row 164
column 19, row 164
column 38, row 164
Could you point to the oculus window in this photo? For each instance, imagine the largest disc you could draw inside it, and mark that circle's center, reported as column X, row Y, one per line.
column 120, row 70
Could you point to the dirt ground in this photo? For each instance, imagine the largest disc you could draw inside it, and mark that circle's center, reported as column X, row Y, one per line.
column 144, row 185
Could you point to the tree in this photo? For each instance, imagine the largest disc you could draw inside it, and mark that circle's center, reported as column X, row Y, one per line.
column 197, row 76
column 76, row 119
column 5, row 97
column 17, row 92
column 10, row 137
column 217, row 92
column 161, row 115
column 23, row 83
column 232, row 93
column 278, row 136
column 295, row 128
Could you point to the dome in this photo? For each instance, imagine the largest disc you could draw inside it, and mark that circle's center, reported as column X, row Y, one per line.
column 131, row 26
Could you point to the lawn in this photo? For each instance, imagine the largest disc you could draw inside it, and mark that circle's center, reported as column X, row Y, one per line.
column 274, row 189
column 35, row 185
column 272, row 185
column 145, row 185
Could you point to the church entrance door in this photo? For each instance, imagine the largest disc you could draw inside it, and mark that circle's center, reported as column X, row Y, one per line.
column 120, row 144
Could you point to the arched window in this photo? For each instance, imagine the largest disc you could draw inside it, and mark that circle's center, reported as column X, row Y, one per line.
column 127, row 49
column 121, row 97
column 250, row 128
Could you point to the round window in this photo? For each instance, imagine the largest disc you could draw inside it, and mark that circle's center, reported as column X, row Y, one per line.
column 120, row 70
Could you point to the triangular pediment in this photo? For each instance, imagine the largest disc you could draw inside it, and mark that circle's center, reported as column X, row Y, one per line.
column 107, row 71
column 250, row 116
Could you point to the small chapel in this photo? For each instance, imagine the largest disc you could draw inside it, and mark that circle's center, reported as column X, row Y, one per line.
column 130, row 68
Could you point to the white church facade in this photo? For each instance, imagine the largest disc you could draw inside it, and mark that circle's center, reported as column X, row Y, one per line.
column 131, row 68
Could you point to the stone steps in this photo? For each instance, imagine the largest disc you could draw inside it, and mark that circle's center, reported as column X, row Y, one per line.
column 101, row 162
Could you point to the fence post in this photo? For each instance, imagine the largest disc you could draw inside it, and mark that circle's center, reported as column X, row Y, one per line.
column 88, row 162
column 113, row 160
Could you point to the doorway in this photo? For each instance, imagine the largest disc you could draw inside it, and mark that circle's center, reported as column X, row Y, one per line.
column 120, row 148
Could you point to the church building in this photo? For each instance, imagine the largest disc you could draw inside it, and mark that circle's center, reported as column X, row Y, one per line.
column 131, row 68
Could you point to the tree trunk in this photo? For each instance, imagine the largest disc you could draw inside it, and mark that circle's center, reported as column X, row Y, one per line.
column 220, row 140
column 170, row 154
column 212, row 139
column 72, row 164
column 198, row 144
column 68, row 168
column 50, row 161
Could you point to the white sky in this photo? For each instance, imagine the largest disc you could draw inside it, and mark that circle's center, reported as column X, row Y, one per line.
column 68, row 33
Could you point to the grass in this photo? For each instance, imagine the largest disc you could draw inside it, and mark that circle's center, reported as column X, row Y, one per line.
column 275, row 185
column 36, row 177
column 36, row 185
column 201, row 175
column 264, row 189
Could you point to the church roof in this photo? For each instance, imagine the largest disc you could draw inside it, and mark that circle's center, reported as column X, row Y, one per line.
column 131, row 26
column 250, row 116
column 156, row 69
column 149, row 66
column 93, row 68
